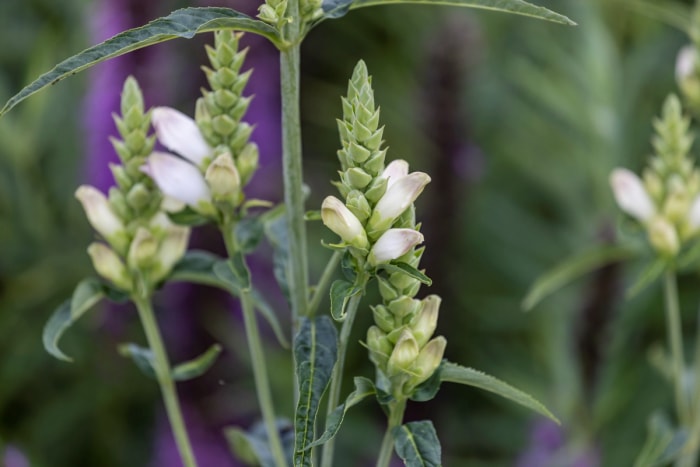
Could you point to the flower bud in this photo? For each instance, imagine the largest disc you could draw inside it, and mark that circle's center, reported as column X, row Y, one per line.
column 247, row 162
column 356, row 178
column 379, row 346
column 179, row 133
column 139, row 197
column 142, row 250
column 630, row 195
column 172, row 248
column 425, row 322
column 653, row 184
column 177, row 179
column 393, row 244
column 109, row 265
column 386, row 289
column 223, row 179
column 428, row 360
column 663, row 236
column 404, row 354
column 337, row 217
column 358, row 205
column 100, row 214
column 396, row 200
column 383, row 318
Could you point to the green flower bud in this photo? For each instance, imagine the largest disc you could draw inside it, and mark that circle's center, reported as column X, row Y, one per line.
column 247, row 162
column 383, row 318
column 224, row 125
column 376, row 190
column 404, row 354
column 120, row 176
column 139, row 197
column 172, row 248
column 379, row 346
column 358, row 205
column 142, row 250
column 109, row 265
column 428, row 360
column 663, row 236
column 223, row 179
column 404, row 307
column 425, row 321
column 356, row 178
column 386, row 290
column 358, row 153
column 241, row 136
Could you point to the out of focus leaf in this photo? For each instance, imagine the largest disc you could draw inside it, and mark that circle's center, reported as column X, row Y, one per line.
column 663, row 444
column 143, row 358
column 252, row 446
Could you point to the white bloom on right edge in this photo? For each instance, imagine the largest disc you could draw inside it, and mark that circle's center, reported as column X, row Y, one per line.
column 337, row 217
column 177, row 179
column 179, row 133
column 630, row 194
column 393, row 244
column 100, row 214
column 694, row 214
column 398, row 197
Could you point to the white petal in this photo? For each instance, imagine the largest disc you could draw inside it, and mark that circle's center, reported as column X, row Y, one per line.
column 394, row 171
column 99, row 212
column 179, row 133
column 685, row 62
column 630, row 194
column 393, row 244
column 398, row 198
column 337, row 217
column 177, row 178
column 694, row 214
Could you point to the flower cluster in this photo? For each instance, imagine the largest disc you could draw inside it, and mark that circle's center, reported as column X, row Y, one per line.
column 376, row 224
column 142, row 244
column 216, row 158
column 667, row 200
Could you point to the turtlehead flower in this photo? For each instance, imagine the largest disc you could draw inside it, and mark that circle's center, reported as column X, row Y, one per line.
column 402, row 193
column 630, row 194
column 394, row 171
column 108, row 265
column 428, row 360
column 172, row 248
column 142, row 250
column 663, row 236
column 223, row 178
column 179, row 133
column 393, row 244
column 405, row 352
column 425, row 322
column 178, row 179
column 337, row 217
column 100, row 215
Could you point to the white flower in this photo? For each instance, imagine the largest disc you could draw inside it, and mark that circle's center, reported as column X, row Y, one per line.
column 337, row 217
column 100, row 214
column 394, row 171
column 630, row 194
column 398, row 197
column 686, row 62
column 393, row 244
column 177, row 179
column 179, row 133
column 694, row 214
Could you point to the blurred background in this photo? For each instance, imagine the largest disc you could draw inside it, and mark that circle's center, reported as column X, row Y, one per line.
column 518, row 122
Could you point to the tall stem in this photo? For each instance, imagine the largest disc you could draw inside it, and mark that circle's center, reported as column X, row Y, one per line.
column 675, row 338
column 337, row 379
column 161, row 365
column 396, row 411
column 324, row 281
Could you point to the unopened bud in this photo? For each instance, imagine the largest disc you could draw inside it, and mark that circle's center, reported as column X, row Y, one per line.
column 100, row 215
column 425, row 322
column 383, row 318
column 405, row 353
column 428, row 360
column 142, row 250
column 247, row 162
column 687, row 74
column 223, row 179
column 663, row 236
column 109, row 265
column 172, row 248
column 337, row 217
column 379, row 346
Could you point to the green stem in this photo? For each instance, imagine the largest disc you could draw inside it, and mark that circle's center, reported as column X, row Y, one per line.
column 396, row 411
column 257, row 357
column 324, row 281
column 161, row 365
column 675, row 338
column 337, row 379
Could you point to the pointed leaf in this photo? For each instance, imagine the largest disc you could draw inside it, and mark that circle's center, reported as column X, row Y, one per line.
column 315, row 353
column 417, row 444
column 252, row 446
column 572, row 268
column 229, row 273
column 141, row 356
column 408, row 270
column 184, row 23
column 341, row 292
column 197, row 366
column 650, row 273
column 276, row 232
column 248, row 233
column 337, row 8
column 454, row 373
column 663, row 444
column 87, row 293
column 363, row 388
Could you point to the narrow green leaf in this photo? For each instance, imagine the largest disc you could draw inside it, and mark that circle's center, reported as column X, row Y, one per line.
column 197, row 366
column 363, row 389
column 337, row 8
column 184, row 23
column 141, row 356
column 417, row 444
column 341, row 292
column 663, row 444
column 650, row 273
column 87, row 293
column 453, row 373
column 252, row 446
column 408, row 270
column 315, row 353
column 572, row 268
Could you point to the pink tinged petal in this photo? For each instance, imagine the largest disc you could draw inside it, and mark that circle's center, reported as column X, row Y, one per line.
column 630, row 194
column 337, row 217
column 394, row 171
column 397, row 199
column 393, row 244
column 177, row 178
column 694, row 214
column 99, row 212
column 179, row 133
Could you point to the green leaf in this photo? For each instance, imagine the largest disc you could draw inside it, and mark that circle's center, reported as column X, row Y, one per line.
column 429, row 388
column 252, row 446
column 188, row 217
column 363, row 389
column 341, row 292
column 647, row 277
column 453, row 373
column 315, row 353
column 663, row 444
column 184, row 23
column 197, row 366
column 141, row 356
column 408, row 270
column 673, row 13
column 86, row 294
column 337, row 8
column 278, row 236
column 572, row 268
column 248, row 233
column 417, row 444
column 233, row 273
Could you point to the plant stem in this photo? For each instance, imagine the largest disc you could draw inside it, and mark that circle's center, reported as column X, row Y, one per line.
column 257, row 357
column 324, row 281
column 337, row 379
column 161, row 365
column 675, row 338
column 396, row 411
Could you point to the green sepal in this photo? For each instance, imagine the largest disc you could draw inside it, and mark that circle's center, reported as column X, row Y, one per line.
column 86, row 294
column 252, row 447
column 417, row 444
column 184, row 23
column 663, row 445
column 341, row 292
column 190, row 369
column 453, row 373
column 428, row 389
column 188, row 217
column 314, row 215
column 363, row 389
column 407, row 269
column 315, row 353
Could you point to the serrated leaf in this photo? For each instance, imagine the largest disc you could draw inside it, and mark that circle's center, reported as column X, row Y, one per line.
column 86, row 294
column 184, row 23
column 417, row 444
column 453, row 373
column 315, row 353
column 650, row 273
column 663, row 444
column 572, row 268
column 197, row 366
column 338, row 8
column 252, row 446
column 341, row 292
column 363, row 389
column 141, row 356
column 408, row 270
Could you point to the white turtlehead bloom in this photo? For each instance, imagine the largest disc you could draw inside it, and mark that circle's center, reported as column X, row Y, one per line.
column 99, row 213
column 398, row 197
column 396, row 170
column 337, row 217
column 177, row 179
column 694, row 214
column 630, row 194
column 179, row 133
column 393, row 244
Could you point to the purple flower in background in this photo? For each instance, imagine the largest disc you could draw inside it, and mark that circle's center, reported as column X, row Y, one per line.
column 13, row 457
column 549, row 447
